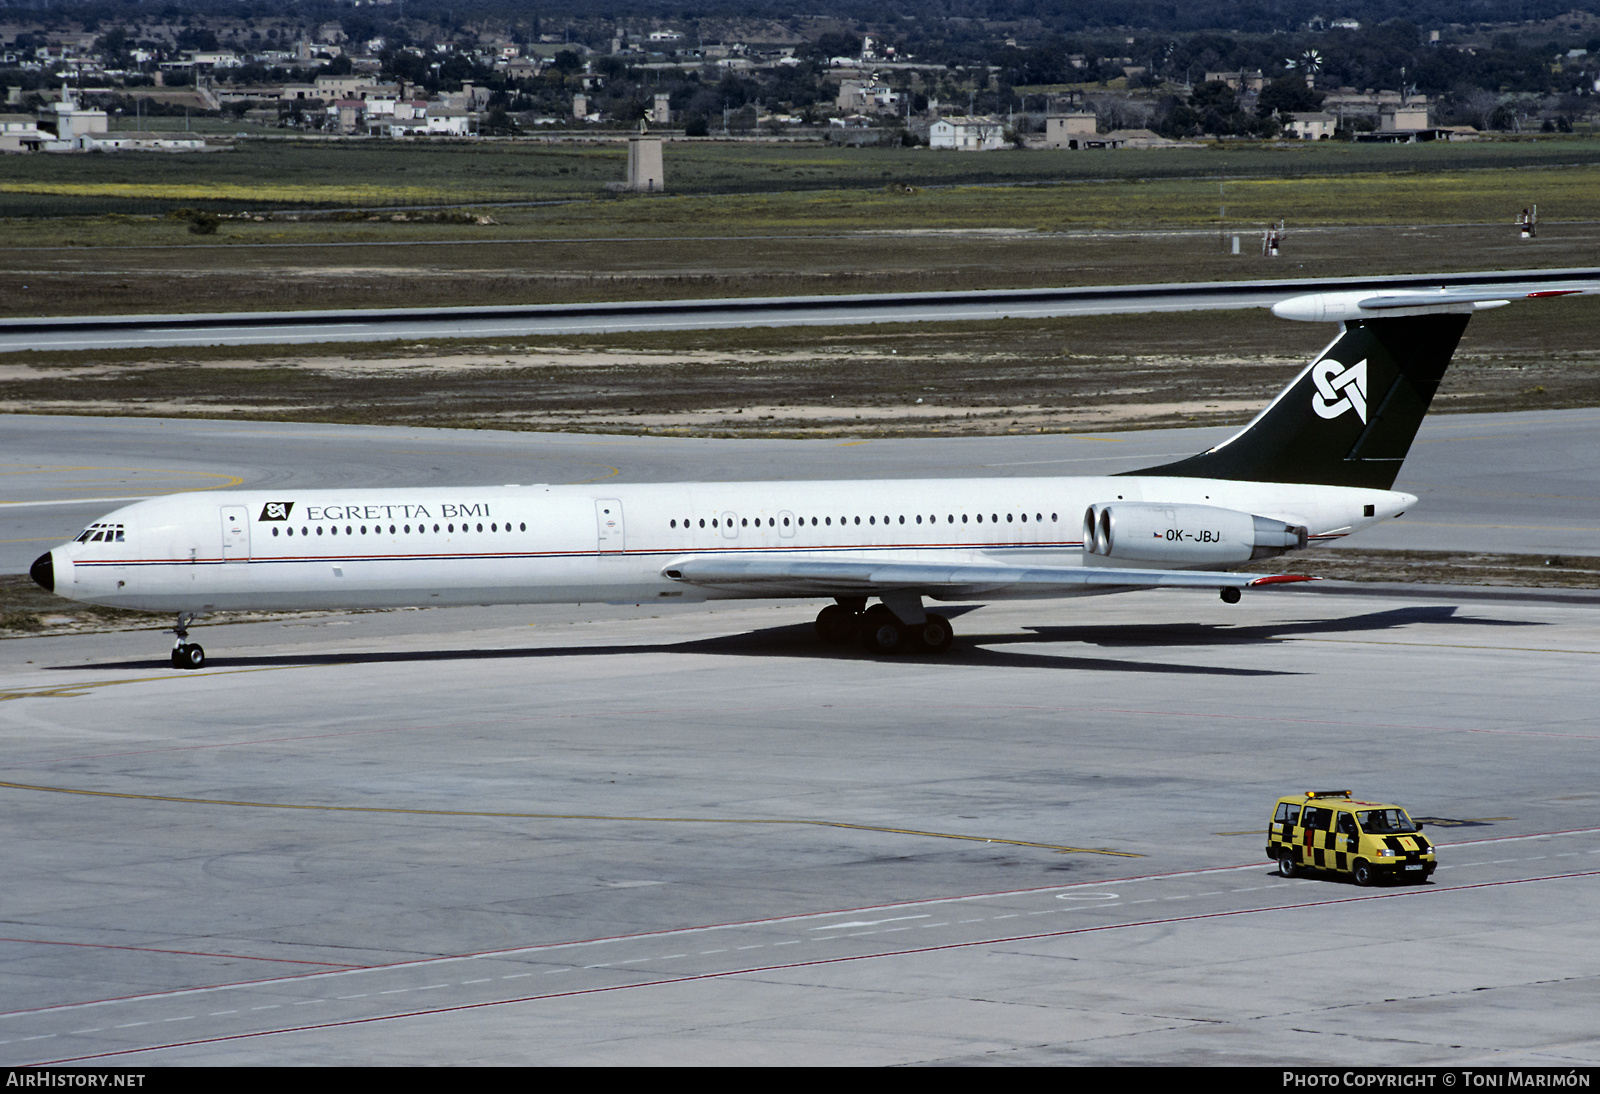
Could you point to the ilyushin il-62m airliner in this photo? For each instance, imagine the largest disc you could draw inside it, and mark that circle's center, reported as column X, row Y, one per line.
column 1315, row 465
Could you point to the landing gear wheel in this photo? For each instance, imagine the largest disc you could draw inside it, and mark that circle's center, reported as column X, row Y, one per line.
column 836, row 625
column 1364, row 875
column 1230, row 596
column 935, row 635
column 1286, row 866
column 880, row 632
column 185, row 654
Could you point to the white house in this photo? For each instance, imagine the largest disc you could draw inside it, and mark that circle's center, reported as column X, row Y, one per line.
column 20, row 133
column 967, row 134
column 1312, row 127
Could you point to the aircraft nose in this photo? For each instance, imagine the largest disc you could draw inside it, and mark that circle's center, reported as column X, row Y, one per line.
column 43, row 572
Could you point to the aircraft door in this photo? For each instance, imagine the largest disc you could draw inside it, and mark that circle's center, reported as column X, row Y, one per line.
column 608, row 518
column 235, row 534
column 786, row 524
column 730, row 526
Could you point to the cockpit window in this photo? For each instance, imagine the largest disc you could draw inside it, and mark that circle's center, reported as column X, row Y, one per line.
column 102, row 533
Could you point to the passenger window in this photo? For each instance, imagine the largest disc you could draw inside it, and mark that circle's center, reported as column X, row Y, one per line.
column 1288, row 813
column 1317, row 818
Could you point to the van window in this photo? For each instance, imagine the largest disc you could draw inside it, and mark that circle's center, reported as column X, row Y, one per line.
column 1385, row 821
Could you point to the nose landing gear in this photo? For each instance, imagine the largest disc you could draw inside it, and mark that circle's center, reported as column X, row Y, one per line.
column 186, row 654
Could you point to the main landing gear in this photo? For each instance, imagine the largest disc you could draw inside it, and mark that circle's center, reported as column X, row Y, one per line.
column 881, row 629
column 186, row 654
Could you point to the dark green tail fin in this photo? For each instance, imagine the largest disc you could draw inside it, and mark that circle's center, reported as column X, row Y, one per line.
column 1349, row 418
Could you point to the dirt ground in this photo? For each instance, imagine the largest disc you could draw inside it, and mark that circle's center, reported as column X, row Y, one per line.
column 1072, row 375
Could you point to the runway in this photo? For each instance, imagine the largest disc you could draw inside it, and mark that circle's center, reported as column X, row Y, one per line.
column 369, row 325
column 610, row 834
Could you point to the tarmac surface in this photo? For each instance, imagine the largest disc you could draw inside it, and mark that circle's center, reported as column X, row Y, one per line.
column 590, row 834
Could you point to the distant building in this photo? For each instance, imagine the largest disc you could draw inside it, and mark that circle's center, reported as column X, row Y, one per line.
column 20, row 133
column 142, row 142
column 867, row 97
column 1403, row 116
column 449, row 121
column 645, row 171
column 1068, row 130
column 967, row 134
column 71, row 120
column 1243, row 80
column 345, row 87
column 1312, row 127
column 349, row 116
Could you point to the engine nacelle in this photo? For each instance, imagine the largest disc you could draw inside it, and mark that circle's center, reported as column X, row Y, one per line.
column 1182, row 535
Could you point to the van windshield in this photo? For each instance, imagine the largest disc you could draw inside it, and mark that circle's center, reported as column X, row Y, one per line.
column 1383, row 821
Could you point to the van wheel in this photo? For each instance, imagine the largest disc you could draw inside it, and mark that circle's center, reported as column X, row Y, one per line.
column 1363, row 874
column 1286, row 866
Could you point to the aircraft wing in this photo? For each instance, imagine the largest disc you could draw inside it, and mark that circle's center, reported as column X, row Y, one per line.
column 775, row 575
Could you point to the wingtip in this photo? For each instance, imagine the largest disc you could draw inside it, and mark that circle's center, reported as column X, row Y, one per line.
column 1282, row 579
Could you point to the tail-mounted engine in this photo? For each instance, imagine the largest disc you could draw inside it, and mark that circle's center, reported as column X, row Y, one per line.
column 1182, row 535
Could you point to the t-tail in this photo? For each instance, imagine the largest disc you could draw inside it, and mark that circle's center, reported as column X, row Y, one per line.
column 1350, row 417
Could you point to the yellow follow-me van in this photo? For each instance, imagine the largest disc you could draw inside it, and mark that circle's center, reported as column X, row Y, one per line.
column 1329, row 830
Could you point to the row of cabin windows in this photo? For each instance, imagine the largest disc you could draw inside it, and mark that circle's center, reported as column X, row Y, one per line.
column 772, row 522
column 377, row 529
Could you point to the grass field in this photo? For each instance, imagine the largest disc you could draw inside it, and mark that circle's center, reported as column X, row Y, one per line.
column 756, row 219
column 313, row 173
column 771, row 219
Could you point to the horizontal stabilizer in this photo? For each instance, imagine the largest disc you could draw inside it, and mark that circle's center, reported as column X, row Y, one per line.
column 1339, row 307
column 779, row 576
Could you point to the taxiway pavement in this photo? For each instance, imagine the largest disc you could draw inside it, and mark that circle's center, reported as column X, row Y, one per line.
column 618, row 835
column 589, row 834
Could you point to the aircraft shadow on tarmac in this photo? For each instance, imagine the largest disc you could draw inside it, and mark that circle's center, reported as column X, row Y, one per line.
column 975, row 650
column 1223, row 634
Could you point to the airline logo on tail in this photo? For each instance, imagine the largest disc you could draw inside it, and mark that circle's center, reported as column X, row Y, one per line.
column 1340, row 389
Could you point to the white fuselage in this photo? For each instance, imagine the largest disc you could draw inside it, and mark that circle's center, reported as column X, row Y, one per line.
column 293, row 549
